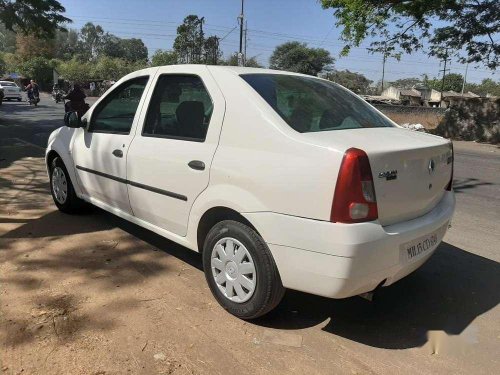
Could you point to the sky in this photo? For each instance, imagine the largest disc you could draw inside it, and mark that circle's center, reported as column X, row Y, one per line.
column 270, row 23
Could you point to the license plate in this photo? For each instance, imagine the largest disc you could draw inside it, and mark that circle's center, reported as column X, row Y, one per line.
column 421, row 246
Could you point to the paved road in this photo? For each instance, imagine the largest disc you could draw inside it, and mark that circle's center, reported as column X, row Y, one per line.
column 84, row 294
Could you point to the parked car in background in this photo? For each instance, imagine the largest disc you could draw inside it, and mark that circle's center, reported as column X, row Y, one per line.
column 11, row 90
column 280, row 180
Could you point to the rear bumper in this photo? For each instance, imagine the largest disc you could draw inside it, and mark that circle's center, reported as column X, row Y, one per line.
column 341, row 260
column 12, row 96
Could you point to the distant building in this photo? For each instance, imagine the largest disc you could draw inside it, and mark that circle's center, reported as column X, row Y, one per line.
column 429, row 97
column 404, row 96
column 410, row 97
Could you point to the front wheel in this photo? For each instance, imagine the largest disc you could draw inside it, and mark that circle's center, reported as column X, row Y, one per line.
column 240, row 270
column 62, row 189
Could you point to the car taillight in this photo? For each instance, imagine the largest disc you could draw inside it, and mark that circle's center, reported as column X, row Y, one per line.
column 449, row 187
column 354, row 200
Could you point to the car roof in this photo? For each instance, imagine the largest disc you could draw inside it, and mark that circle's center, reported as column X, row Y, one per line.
column 237, row 70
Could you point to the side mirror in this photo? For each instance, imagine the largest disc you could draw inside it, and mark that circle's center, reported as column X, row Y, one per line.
column 71, row 120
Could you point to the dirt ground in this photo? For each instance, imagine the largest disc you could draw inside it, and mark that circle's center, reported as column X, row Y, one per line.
column 93, row 294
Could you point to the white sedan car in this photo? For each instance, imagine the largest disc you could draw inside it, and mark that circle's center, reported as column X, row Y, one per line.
column 11, row 90
column 280, row 180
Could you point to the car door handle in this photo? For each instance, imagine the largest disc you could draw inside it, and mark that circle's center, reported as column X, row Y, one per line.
column 197, row 164
column 118, row 153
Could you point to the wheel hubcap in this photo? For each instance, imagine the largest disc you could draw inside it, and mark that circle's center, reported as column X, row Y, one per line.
column 233, row 270
column 59, row 185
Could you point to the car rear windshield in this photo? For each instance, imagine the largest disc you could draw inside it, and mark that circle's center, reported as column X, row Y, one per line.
column 314, row 105
column 8, row 84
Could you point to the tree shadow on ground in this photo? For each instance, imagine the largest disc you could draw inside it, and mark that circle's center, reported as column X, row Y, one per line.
column 57, row 248
column 120, row 261
column 452, row 289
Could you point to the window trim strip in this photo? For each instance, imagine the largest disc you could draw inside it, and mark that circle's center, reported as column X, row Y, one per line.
column 135, row 184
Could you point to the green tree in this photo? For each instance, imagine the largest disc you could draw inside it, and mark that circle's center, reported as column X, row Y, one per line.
column 3, row 64
column 162, row 57
column 91, row 40
column 7, row 39
column 211, row 51
column 41, row 18
column 75, row 71
column 38, row 68
column 110, row 46
column 471, row 26
column 355, row 82
column 232, row 60
column 66, row 44
column 407, row 83
column 109, row 68
column 486, row 87
column 29, row 46
column 452, row 82
column 297, row 57
column 134, row 49
column 11, row 61
column 189, row 41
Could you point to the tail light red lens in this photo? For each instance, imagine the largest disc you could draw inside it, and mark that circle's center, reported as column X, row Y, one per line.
column 354, row 200
column 449, row 187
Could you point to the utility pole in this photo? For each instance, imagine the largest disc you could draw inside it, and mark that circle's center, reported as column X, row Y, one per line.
column 200, row 47
column 240, row 18
column 465, row 78
column 383, row 65
column 444, row 73
column 383, row 70
column 245, row 49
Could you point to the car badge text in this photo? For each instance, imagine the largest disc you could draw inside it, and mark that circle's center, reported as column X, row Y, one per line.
column 388, row 175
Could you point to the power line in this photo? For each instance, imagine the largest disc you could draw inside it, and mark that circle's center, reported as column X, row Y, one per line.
column 147, row 25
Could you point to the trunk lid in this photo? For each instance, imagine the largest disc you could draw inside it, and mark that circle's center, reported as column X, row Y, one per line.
column 410, row 170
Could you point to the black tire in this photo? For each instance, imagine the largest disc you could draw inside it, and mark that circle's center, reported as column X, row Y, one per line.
column 72, row 204
column 268, row 290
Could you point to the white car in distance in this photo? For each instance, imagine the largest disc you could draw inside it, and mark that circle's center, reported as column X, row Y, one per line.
column 280, row 180
column 11, row 90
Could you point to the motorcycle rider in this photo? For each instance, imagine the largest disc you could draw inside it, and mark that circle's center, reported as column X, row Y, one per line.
column 56, row 93
column 76, row 98
column 33, row 91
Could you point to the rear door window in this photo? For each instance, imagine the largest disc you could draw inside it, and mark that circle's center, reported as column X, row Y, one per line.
column 313, row 105
column 180, row 108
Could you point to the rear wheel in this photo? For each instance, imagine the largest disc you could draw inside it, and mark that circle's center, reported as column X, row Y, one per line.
column 62, row 189
column 240, row 270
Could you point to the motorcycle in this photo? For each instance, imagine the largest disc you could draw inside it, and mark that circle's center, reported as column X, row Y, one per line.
column 33, row 98
column 57, row 95
column 80, row 107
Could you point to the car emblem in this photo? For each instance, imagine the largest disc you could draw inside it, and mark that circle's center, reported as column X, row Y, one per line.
column 388, row 175
column 431, row 166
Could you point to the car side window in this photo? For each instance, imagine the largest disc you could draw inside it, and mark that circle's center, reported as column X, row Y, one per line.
column 116, row 112
column 180, row 108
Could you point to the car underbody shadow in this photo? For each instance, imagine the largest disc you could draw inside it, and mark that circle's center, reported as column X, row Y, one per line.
column 452, row 289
